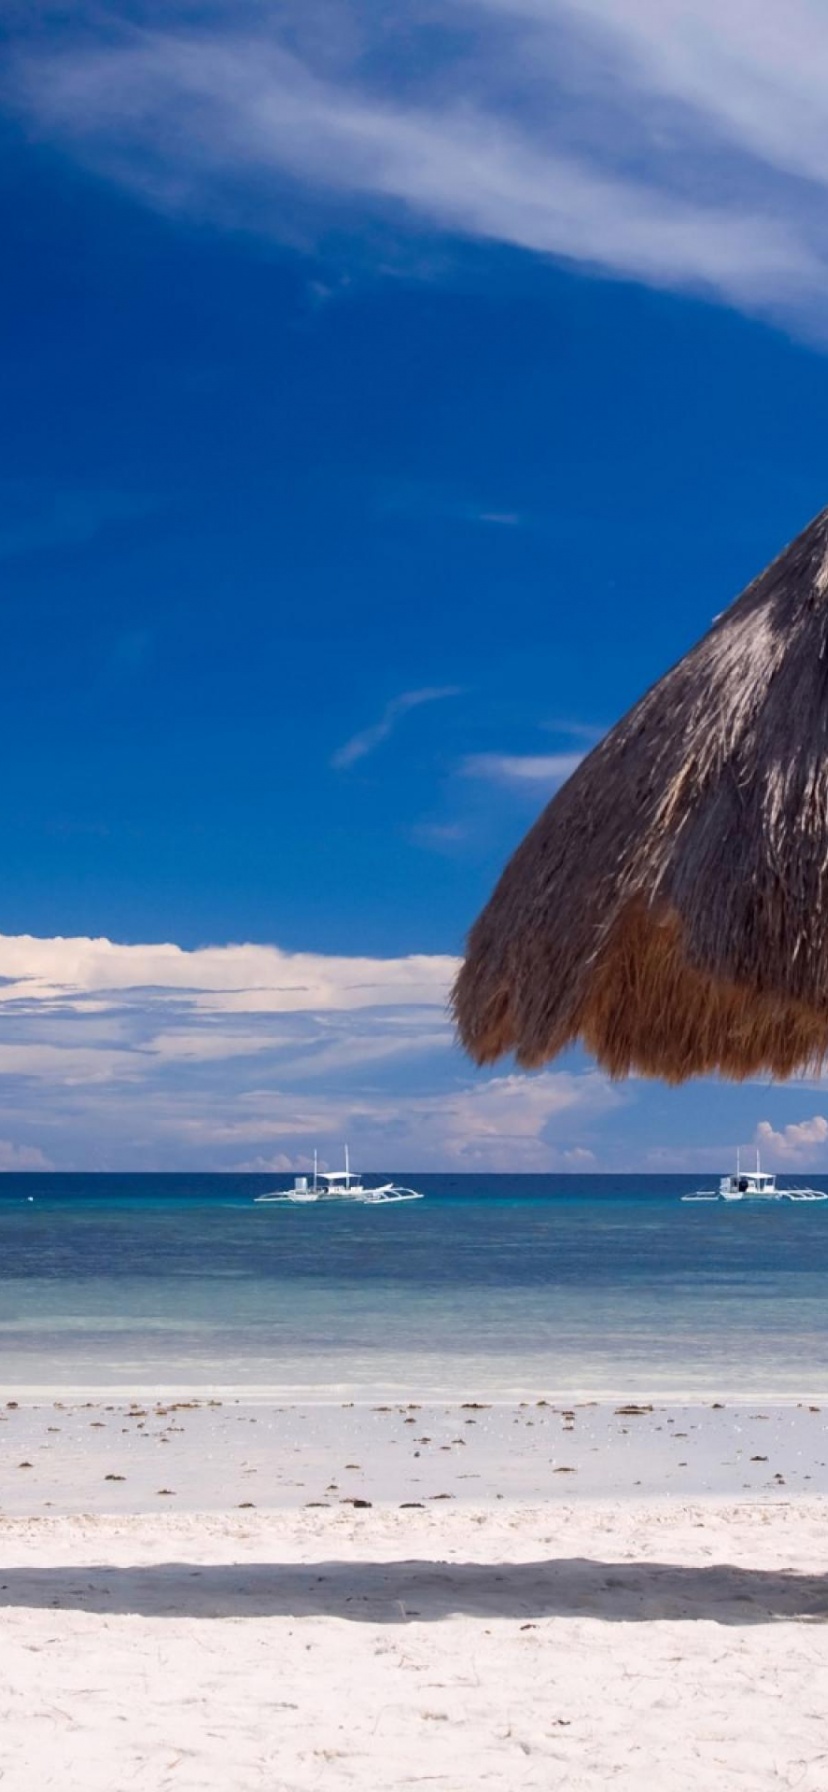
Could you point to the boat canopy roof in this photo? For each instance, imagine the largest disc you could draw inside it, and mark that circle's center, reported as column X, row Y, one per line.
column 751, row 1179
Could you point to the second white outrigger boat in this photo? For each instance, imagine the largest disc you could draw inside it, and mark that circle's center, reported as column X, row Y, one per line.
column 754, row 1185
column 340, row 1185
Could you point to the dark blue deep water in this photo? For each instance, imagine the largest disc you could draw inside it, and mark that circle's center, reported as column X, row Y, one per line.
column 502, row 1284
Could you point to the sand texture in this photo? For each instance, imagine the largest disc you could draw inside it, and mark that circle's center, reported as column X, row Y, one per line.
column 239, row 1597
column 669, row 1647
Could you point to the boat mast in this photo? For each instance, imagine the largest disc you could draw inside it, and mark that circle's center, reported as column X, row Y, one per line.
column 347, row 1167
column 315, row 1166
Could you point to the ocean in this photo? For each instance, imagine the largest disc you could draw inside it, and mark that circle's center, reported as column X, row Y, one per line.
column 496, row 1286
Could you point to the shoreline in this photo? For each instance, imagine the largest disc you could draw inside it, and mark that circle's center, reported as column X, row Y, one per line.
column 212, row 1453
column 453, row 1393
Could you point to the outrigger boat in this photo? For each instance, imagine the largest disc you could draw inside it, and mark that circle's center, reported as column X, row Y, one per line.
column 754, row 1185
column 340, row 1185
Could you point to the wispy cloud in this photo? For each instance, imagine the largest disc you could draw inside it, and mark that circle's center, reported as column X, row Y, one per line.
column 589, row 732
column 421, row 498
column 367, row 741
column 679, row 146
column 755, row 73
column 440, row 836
column 485, row 791
column 542, row 771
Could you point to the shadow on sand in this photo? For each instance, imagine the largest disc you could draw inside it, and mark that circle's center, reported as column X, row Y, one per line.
column 422, row 1591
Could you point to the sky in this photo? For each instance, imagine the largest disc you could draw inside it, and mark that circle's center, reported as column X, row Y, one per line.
column 388, row 395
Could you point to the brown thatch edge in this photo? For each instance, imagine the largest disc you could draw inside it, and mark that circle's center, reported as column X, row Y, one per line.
column 670, row 907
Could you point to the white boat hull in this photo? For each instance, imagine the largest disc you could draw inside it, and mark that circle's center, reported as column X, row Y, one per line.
column 337, row 1185
column 367, row 1197
column 777, row 1194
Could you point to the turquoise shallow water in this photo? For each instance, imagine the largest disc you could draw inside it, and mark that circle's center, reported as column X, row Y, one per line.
column 496, row 1284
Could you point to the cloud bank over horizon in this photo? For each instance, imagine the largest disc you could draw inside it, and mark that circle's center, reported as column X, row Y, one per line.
column 246, row 1057
column 678, row 147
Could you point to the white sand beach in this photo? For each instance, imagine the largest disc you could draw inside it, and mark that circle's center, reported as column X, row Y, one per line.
column 230, row 1615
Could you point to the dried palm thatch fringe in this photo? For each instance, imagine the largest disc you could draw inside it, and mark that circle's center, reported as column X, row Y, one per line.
column 670, row 906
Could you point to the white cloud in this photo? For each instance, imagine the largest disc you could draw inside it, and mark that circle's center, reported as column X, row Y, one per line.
column 548, row 770
column 801, row 1142
column 147, row 1056
column 370, row 738
column 243, row 979
column 595, row 131
column 511, row 1122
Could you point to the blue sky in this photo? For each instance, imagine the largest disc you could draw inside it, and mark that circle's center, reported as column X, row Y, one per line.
column 389, row 395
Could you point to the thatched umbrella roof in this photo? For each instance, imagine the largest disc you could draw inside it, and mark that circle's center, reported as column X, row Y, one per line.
column 670, row 906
